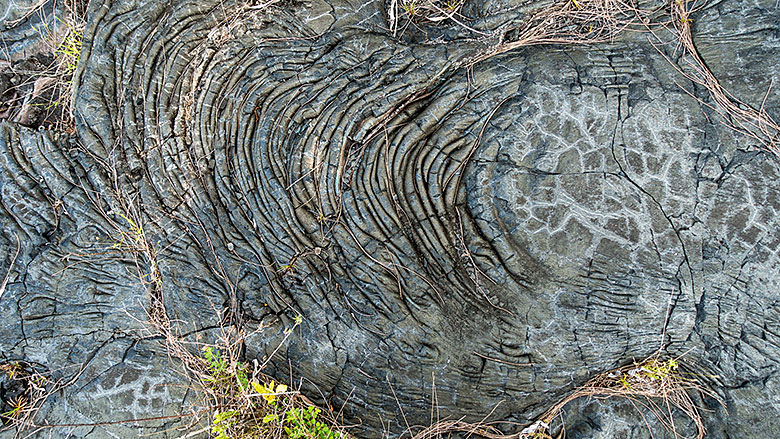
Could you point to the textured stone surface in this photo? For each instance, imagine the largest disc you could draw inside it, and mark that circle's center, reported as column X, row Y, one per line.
column 74, row 312
column 569, row 207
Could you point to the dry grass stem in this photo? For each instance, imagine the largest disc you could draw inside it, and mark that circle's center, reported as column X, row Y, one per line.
column 739, row 116
column 597, row 21
column 657, row 385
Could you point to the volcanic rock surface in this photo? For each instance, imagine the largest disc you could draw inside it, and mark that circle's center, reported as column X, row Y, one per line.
column 488, row 234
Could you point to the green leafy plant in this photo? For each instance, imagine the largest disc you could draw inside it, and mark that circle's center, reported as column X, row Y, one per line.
column 217, row 366
column 249, row 405
column 303, row 423
column 222, row 423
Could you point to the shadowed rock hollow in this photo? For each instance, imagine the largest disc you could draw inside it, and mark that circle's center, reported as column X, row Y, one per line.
column 503, row 230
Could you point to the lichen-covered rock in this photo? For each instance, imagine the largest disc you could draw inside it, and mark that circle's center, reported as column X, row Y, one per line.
column 481, row 238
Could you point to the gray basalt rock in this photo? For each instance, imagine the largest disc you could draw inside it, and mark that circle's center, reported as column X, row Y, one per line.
column 492, row 234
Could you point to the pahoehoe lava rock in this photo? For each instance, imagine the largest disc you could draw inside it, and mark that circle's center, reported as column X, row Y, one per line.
column 504, row 230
